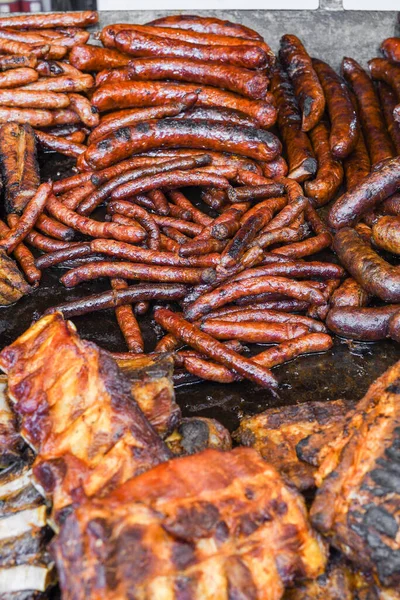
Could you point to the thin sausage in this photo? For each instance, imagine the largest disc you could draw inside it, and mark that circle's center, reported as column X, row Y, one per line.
column 50, row 20
column 127, row 321
column 269, row 316
column 16, row 61
column 59, row 144
column 30, row 116
column 86, row 112
column 22, row 254
column 306, row 344
column 295, row 270
column 305, row 81
column 357, row 165
column 31, row 99
column 18, row 77
column 350, row 293
column 140, row 94
column 62, row 84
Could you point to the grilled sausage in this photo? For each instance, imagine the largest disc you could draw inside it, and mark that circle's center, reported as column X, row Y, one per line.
column 305, row 81
column 388, row 104
column 48, row 21
column 350, row 293
column 86, row 112
column 364, row 324
column 394, row 327
column 59, row 144
column 65, row 83
column 386, row 234
column 377, row 139
column 301, row 159
column 357, row 165
column 342, row 114
column 94, row 58
column 383, row 70
column 22, row 98
column 18, row 61
column 390, row 48
column 18, row 77
column 206, row 25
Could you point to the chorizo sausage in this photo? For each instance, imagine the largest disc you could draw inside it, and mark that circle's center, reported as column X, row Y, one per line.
column 342, row 115
column 206, row 25
column 386, row 234
column 305, row 81
column 94, row 58
column 378, row 186
column 48, row 21
column 383, row 70
column 127, row 321
column 253, row 143
column 136, row 94
column 329, row 176
column 364, row 324
column 300, row 155
column 378, row 142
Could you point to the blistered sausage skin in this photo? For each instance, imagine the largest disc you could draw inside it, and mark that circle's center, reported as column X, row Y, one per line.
column 372, row 272
column 330, row 171
column 390, row 48
column 136, row 43
column 136, row 94
column 257, row 144
column 306, row 84
column 376, row 136
column 377, row 186
column 206, row 25
column 342, row 115
column 252, row 84
column 300, row 155
column 386, row 234
column 363, row 324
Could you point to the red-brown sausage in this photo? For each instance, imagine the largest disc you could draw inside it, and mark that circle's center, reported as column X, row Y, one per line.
column 48, row 21
column 140, row 94
column 364, row 324
column 206, row 25
column 253, row 331
column 391, row 49
column 350, row 293
column 342, row 115
column 94, row 58
column 386, row 234
column 59, row 144
column 16, row 61
column 394, row 327
column 389, row 102
column 305, row 81
column 357, row 165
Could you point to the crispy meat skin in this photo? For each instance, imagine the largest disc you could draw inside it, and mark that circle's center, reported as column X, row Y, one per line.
column 152, row 388
column 357, row 504
column 11, row 443
column 12, row 285
column 209, row 526
column 275, row 433
column 77, row 413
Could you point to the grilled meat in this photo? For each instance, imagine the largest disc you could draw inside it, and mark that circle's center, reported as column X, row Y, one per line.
column 12, row 285
column 153, row 389
column 357, row 504
column 11, row 443
column 77, row 413
column 195, row 434
column 19, row 165
column 209, row 526
column 276, row 432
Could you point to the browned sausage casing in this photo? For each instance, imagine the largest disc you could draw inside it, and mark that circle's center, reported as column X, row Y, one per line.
column 378, row 186
column 376, row 136
column 48, row 21
column 254, row 143
column 252, row 84
column 301, row 159
column 383, row 70
column 394, row 327
column 372, row 272
column 364, row 324
column 350, row 293
column 391, row 48
column 330, row 171
column 386, row 234
column 357, row 165
column 137, row 43
column 388, row 102
column 206, row 25
column 22, row 98
column 94, row 58
column 342, row 115
column 306, row 84
column 136, row 94
column 16, row 61
column 19, row 165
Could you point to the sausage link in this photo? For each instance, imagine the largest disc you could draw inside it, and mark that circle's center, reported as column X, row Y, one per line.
column 306, row 344
column 127, row 321
column 94, row 58
column 372, row 272
column 378, row 142
column 329, row 176
column 269, row 316
column 62, row 84
column 390, row 48
column 86, row 112
column 126, row 118
column 378, row 186
column 22, row 254
column 357, row 165
column 47, row 21
column 30, row 116
column 386, row 234
column 16, row 61
column 74, row 197
column 342, row 114
column 394, row 327
column 11, row 47
column 205, row 344
column 350, row 293
column 59, row 144
column 136, row 94
column 64, row 117
column 32, row 99
column 70, row 252
column 388, row 102
column 383, row 70
column 197, row 215
column 300, row 155
column 364, row 324
column 391, row 206
column 206, row 25
column 18, row 77
column 305, row 81
column 253, row 331
column 254, row 143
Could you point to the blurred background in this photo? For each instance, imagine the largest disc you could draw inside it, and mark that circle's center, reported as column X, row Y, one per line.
column 7, row 6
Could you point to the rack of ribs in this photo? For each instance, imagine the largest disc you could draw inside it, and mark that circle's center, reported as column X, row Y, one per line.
column 357, row 505
column 213, row 525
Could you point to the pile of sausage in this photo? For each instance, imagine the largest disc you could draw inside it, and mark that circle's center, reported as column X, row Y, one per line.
column 189, row 102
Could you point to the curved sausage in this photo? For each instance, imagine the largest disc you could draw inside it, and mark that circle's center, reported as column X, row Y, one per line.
column 378, row 142
column 389, row 102
column 378, row 186
column 251, row 84
column 59, row 144
column 383, row 70
column 329, row 176
column 305, row 81
column 364, row 324
column 254, row 143
column 342, row 115
column 372, row 272
column 386, row 234
column 390, row 48
column 300, row 155
column 86, row 112
column 136, row 94
column 136, row 43
column 357, row 165
column 206, row 25
column 350, row 293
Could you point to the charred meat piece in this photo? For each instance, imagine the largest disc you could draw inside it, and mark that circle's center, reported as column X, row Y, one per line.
column 12, row 285
column 19, row 165
column 153, row 389
column 276, row 432
column 77, row 413
column 357, row 504
column 213, row 525
column 195, row 434
column 11, row 443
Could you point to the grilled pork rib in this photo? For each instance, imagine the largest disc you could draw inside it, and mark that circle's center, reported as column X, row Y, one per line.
column 358, row 503
column 214, row 525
